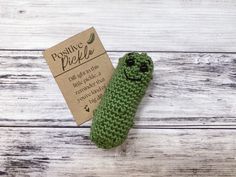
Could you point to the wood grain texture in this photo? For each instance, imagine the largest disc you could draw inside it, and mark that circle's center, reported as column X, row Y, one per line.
column 188, row 89
column 154, row 25
column 186, row 123
column 147, row 152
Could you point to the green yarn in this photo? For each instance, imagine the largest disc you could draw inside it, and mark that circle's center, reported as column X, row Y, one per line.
column 115, row 113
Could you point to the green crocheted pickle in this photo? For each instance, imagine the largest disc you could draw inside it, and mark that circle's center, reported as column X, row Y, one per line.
column 115, row 113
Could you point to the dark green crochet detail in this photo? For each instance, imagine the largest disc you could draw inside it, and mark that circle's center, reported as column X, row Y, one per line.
column 114, row 116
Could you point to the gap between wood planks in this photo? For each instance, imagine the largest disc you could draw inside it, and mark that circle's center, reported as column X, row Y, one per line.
column 149, row 51
column 166, row 127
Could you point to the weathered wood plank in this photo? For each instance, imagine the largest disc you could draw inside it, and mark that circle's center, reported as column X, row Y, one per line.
column 147, row 152
column 187, row 90
column 160, row 25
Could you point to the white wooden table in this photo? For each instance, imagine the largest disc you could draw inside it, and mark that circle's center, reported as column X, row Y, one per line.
column 186, row 123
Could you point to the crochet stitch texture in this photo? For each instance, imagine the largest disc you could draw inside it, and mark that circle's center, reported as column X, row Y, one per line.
column 115, row 113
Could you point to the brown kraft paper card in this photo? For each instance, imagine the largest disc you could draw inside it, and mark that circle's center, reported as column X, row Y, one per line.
column 82, row 70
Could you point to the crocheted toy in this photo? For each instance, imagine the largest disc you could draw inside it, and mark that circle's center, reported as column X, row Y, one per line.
column 115, row 113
